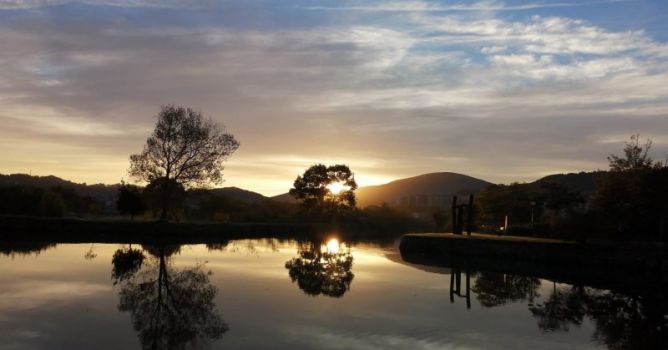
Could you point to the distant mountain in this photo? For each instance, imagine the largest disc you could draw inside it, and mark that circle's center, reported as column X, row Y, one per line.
column 434, row 189
column 108, row 193
column 47, row 182
column 284, row 198
column 583, row 182
column 238, row 194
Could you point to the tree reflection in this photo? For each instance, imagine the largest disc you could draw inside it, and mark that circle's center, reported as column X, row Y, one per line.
column 322, row 268
column 494, row 289
column 170, row 308
column 622, row 321
column 125, row 263
column 629, row 322
column 13, row 249
column 564, row 307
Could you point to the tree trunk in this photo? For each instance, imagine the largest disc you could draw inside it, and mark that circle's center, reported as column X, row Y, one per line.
column 165, row 204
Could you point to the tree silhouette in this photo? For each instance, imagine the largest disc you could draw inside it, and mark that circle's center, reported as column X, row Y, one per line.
column 633, row 193
column 164, row 195
column 184, row 148
column 636, row 157
column 130, row 200
column 319, row 271
column 170, row 308
column 558, row 197
column 313, row 189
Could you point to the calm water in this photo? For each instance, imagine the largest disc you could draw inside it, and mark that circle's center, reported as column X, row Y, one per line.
column 271, row 294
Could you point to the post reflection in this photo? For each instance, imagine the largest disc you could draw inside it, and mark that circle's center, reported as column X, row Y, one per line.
column 322, row 268
column 170, row 308
column 456, row 286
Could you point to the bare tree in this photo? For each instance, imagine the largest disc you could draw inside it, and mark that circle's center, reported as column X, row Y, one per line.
column 184, row 149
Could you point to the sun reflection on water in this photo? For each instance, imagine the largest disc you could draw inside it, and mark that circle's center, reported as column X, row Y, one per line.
column 332, row 246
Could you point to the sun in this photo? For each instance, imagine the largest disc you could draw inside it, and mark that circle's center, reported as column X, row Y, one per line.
column 337, row 187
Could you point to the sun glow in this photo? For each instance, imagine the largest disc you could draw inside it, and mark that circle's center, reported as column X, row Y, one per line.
column 331, row 247
column 337, row 187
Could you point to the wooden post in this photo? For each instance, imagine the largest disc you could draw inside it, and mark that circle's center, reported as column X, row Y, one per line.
column 460, row 219
column 469, row 219
column 454, row 214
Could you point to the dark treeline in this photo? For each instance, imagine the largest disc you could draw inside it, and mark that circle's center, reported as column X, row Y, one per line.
column 629, row 201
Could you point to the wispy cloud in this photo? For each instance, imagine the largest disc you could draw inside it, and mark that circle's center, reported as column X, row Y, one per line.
column 423, row 6
column 191, row 4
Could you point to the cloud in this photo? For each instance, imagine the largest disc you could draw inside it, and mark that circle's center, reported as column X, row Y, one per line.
column 190, row 4
column 421, row 91
column 485, row 5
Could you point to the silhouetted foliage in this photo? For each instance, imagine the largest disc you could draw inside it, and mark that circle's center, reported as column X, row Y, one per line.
column 51, row 204
column 164, row 196
column 634, row 193
column 204, row 205
column 319, row 271
column 312, row 189
column 185, row 149
column 559, row 198
column 636, row 157
column 130, row 200
column 514, row 200
column 171, row 309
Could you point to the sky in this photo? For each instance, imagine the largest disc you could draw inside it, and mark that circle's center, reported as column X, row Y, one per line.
column 501, row 90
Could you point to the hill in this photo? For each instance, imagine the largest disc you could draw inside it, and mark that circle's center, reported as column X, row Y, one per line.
column 285, row 198
column 583, row 182
column 99, row 191
column 108, row 193
column 434, row 189
column 239, row 194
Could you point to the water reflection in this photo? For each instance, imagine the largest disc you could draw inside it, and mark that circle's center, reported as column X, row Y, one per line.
column 12, row 249
column 170, row 308
column 322, row 268
column 125, row 263
column 622, row 321
column 496, row 289
column 456, row 286
column 157, row 300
